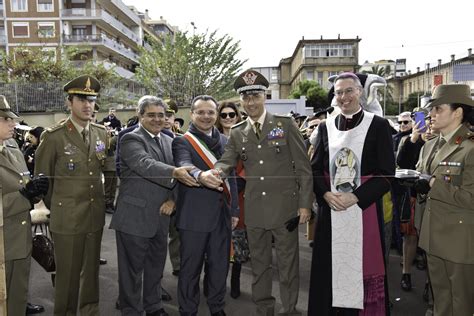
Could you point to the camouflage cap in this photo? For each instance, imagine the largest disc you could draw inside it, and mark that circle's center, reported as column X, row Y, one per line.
column 5, row 110
column 83, row 85
column 250, row 80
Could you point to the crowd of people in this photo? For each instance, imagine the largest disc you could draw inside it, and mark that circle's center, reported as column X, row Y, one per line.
column 235, row 185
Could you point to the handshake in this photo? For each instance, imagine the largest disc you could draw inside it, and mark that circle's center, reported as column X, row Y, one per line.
column 210, row 178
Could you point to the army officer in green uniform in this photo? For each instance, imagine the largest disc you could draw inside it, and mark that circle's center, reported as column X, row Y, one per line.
column 72, row 155
column 278, row 188
column 447, row 229
column 18, row 194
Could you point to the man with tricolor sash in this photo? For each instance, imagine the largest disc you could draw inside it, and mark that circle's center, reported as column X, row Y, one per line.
column 205, row 217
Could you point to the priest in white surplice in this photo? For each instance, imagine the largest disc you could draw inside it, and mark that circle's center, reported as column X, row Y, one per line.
column 352, row 169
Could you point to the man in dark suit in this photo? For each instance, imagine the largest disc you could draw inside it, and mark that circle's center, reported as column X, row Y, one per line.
column 205, row 217
column 112, row 121
column 145, row 201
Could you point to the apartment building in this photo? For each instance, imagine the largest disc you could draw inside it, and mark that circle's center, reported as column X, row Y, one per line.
column 318, row 60
column 459, row 70
column 113, row 30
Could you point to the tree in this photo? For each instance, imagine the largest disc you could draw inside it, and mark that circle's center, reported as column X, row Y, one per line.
column 316, row 97
column 181, row 66
column 35, row 64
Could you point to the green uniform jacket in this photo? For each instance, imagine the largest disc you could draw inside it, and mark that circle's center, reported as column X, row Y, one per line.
column 76, row 193
column 16, row 208
column 447, row 229
column 277, row 170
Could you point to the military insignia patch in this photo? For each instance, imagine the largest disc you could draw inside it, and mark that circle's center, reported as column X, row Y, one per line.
column 276, row 133
column 249, row 78
column 70, row 149
column 100, row 149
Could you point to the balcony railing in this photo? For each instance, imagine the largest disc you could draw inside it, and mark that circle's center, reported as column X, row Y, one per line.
column 101, row 14
column 125, row 9
column 102, row 40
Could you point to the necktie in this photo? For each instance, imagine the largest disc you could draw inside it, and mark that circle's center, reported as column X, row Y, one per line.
column 257, row 129
column 85, row 136
column 161, row 154
column 441, row 143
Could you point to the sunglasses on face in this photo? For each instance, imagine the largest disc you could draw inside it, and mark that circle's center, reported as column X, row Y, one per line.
column 230, row 115
column 404, row 122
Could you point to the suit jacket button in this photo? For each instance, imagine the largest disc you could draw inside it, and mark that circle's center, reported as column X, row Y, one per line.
column 92, row 186
column 259, row 146
column 60, row 203
column 90, row 173
column 23, row 223
column 261, row 162
column 263, row 193
column 262, row 178
column 460, row 222
column 21, row 181
column 92, row 200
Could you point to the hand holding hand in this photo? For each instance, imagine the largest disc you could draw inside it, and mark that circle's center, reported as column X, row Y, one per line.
column 334, row 201
column 211, row 179
column 167, row 208
column 348, row 199
column 183, row 176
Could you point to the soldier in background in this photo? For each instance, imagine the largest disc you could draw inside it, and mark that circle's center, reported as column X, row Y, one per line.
column 72, row 155
column 18, row 195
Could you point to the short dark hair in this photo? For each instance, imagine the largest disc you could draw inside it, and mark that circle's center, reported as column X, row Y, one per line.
column 203, row 97
column 467, row 112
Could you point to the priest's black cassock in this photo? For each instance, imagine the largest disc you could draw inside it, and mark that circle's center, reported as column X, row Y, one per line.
column 378, row 161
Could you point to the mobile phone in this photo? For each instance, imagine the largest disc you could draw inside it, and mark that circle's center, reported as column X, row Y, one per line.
column 420, row 120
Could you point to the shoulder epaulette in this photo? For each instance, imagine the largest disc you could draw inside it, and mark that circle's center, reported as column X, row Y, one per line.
column 470, row 136
column 56, row 127
column 98, row 125
column 238, row 124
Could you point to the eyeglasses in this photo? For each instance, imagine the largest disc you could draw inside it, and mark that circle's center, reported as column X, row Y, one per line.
column 348, row 91
column 155, row 115
column 229, row 114
column 404, row 122
column 202, row 113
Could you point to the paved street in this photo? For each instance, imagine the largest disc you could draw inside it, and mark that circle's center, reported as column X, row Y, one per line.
column 41, row 290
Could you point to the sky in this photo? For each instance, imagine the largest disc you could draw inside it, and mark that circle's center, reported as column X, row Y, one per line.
column 420, row 31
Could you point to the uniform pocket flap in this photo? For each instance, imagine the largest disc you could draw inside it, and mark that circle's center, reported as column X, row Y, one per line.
column 450, row 170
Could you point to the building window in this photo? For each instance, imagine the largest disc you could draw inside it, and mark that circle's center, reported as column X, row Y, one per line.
column 44, row 5
column 20, row 29
column 45, row 29
column 19, row 5
column 329, row 50
column 320, row 78
column 309, row 75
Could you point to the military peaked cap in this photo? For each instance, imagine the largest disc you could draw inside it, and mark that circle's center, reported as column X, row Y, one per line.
column 5, row 110
column 83, row 85
column 250, row 80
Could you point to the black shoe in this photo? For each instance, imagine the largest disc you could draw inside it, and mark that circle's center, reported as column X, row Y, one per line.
column 175, row 272
column 405, row 283
column 102, row 261
column 33, row 309
column 117, row 304
column 160, row 312
column 219, row 313
column 165, row 296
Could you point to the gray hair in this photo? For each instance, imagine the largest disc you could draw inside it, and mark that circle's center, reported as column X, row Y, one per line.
column 349, row 75
column 148, row 100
